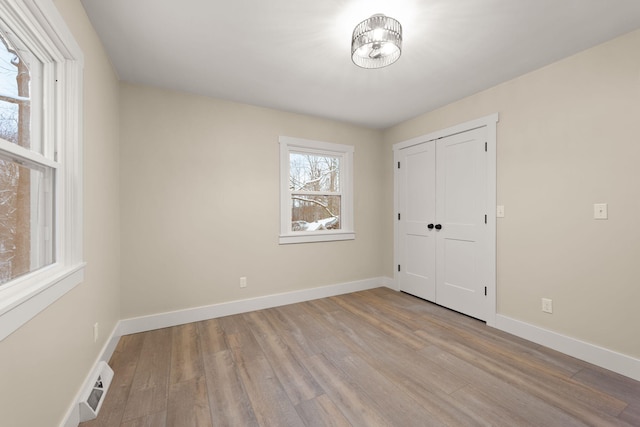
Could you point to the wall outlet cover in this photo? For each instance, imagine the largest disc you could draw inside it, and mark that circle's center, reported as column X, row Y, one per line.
column 600, row 211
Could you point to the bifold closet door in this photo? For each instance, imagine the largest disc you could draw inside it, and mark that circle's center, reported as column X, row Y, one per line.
column 441, row 196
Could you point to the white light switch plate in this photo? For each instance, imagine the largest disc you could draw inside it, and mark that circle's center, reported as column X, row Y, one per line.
column 500, row 211
column 600, row 211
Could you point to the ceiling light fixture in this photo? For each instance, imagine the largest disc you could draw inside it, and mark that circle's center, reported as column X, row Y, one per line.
column 376, row 42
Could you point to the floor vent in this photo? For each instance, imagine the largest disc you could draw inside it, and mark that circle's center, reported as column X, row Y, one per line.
column 92, row 398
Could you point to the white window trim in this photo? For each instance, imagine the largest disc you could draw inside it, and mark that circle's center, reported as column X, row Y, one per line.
column 347, row 232
column 39, row 24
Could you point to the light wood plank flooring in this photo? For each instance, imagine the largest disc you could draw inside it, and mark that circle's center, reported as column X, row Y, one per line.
column 372, row 358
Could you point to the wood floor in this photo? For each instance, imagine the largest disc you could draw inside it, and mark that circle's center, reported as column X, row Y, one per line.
column 372, row 358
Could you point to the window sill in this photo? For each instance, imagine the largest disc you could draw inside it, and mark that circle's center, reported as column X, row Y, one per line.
column 315, row 237
column 22, row 301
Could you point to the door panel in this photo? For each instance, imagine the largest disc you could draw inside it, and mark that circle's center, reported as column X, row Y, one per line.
column 416, row 205
column 457, row 179
column 461, row 207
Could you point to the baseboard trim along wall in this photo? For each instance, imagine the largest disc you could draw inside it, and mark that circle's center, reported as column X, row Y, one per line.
column 180, row 317
column 388, row 282
column 600, row 356
column 616, row 362
column 72, row 418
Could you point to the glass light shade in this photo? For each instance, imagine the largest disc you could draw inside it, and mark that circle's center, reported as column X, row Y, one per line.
column 376, row 42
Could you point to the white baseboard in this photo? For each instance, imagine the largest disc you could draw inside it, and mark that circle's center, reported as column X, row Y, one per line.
column 72, row 418
column 620, row 363
column 174, row 318
column 608, row 359
column 180, row 317
column 389, row 282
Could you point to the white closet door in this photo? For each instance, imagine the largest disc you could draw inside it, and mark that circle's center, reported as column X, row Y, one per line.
column 416, row 206
column 461, row 242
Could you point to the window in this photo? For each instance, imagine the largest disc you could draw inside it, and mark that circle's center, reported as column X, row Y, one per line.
column 40, row 161
column 25, row 180
column 316, row 191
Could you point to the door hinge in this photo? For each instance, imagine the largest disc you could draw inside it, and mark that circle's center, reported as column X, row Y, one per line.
column 485, row 218
column 398, row 267
column 398, row 165
column 398, row 216
column 485, row 291
column 485, row 146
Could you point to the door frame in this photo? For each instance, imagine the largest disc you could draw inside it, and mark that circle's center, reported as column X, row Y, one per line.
column 490, row 122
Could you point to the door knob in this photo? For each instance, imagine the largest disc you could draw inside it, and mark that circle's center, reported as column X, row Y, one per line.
column 430, row 226
column 438, row 226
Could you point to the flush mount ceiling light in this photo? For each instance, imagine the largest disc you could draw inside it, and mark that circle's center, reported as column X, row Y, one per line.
column 376, row 42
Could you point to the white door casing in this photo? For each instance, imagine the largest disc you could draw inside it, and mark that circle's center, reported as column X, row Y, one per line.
column 452, row 264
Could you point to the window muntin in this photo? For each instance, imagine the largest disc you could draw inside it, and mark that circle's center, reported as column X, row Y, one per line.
column 316, row 191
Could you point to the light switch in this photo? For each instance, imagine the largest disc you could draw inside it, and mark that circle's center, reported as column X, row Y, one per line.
column 600, row 211
column 500, row 211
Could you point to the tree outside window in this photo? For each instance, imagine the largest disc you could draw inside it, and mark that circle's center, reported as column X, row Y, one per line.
column 314, row 181
column 15, row 179
column 316, row 192
column 41, row 70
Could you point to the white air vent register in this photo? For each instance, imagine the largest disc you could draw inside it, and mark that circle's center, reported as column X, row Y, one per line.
column 96, row 390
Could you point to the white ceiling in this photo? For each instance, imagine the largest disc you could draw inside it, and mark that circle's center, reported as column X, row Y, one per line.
column 294, row 55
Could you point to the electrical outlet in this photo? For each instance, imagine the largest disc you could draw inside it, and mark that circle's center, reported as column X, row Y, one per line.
column 243, row 282
column 600, row 211
column 547, row 305
column 95, row 332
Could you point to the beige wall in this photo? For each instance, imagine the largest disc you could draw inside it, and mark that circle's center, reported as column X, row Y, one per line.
column 200, row 203
column 44, row 363
column 197, row 208
column 568, row 137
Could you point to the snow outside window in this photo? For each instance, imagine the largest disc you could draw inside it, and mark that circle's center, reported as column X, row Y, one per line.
column 316, row 191
column 26, row 196
column 40, row 160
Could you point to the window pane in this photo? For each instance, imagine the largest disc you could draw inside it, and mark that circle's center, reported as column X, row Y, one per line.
column 15, row 97
column 314, row 172
column 26, row 206
column 9, row 121
column 314, row 213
